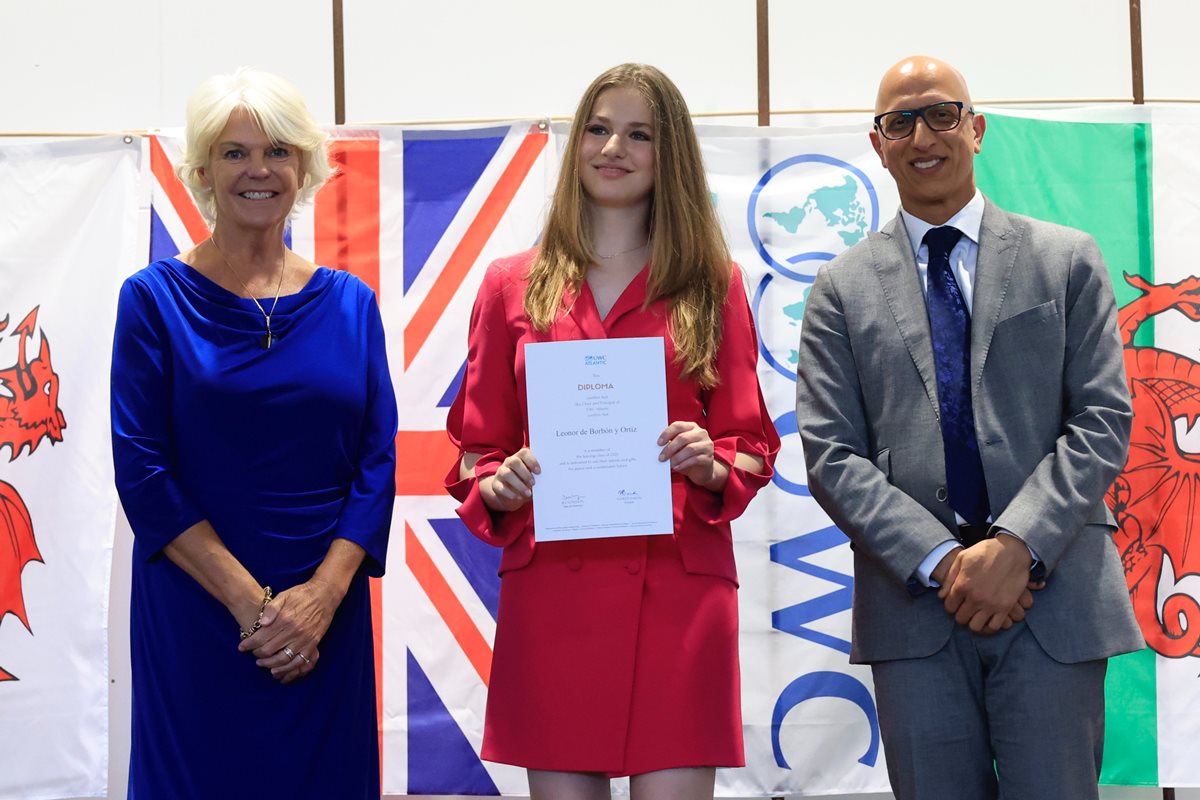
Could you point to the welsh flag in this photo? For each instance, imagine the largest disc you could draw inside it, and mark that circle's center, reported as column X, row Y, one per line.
column 69, row 233
column 1132, row 185
column 792, row 200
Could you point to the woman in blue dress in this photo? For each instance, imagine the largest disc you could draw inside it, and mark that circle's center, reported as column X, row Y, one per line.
column 254, row 428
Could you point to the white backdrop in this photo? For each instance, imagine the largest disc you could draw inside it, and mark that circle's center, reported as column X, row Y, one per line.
column 80, row 65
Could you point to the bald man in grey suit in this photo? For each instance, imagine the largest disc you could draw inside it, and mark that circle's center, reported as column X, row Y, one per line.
column 963, row 407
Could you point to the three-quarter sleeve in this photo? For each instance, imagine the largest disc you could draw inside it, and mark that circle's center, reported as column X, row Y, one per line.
column 736, row 415
column 156, row 504
column 366, row 516
column 486, row 415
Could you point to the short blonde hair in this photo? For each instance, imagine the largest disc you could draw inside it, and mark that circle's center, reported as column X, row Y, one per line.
column 278, row 108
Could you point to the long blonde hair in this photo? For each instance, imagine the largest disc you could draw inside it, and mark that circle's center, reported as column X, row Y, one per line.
column 689, row 261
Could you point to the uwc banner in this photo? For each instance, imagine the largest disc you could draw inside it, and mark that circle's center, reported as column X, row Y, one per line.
column 419, row 213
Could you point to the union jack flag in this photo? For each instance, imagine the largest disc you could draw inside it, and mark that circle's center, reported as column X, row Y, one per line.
column 417, row 214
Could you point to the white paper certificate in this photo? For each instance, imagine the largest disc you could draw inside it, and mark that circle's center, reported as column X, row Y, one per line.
column 596, row 408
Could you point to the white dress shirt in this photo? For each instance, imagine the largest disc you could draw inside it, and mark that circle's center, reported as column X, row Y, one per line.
column 969, row 220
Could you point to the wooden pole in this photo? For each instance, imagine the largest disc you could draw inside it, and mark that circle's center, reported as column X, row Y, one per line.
column 339, row 65
column 1139, row 98
column 764, row 66
column 1135, row 51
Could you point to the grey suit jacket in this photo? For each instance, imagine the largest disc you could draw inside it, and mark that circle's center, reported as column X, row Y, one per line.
column 1052, row 414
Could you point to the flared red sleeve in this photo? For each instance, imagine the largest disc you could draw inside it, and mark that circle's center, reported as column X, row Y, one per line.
column 156, row 504
column 737, row 417
column 486, row 416
column 366, row 516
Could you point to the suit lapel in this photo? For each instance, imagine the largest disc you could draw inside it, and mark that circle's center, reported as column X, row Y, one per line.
column 897, row 270
column 630, row 299
column 999, row 244
column 580, row 310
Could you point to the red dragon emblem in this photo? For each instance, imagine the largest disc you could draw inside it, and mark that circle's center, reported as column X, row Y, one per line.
column 1156, row 498
column 29, row 413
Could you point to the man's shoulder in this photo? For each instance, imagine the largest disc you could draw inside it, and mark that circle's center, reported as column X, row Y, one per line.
column 868, row 252
column 1052, row 247
column 1038, row 232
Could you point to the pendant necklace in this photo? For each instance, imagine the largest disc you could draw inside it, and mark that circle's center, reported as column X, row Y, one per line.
column 623, row 252
column 267, row 338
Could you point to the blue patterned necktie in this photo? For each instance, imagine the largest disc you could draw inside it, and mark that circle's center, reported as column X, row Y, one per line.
column 950, row 325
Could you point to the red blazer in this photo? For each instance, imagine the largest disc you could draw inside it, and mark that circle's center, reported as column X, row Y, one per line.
column 489, row 416
column 572, row 613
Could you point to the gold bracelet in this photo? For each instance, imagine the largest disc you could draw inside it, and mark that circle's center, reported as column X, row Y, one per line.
column 267, row 595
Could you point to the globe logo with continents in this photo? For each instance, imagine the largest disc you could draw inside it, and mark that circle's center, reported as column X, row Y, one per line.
column 804, row 211
column 778, row 306
column 808, row 208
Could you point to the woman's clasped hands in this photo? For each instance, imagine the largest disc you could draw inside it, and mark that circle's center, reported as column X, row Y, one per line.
column 293, row 624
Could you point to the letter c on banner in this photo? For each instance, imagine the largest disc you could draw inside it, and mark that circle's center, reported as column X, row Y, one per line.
column 825, row 684
column 787, row 425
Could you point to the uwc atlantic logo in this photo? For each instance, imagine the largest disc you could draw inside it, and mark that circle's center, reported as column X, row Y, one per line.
column 808, row 208
column 803, row 212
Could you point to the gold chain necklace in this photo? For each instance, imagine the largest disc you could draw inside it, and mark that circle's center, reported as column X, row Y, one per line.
column 622, row 252
column 268, row 338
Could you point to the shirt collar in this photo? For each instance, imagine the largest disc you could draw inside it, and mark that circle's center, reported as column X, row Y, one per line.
column 968, row 219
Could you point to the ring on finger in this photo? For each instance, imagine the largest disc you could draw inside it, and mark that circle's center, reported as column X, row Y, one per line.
column 304, row 658
column 289, row 652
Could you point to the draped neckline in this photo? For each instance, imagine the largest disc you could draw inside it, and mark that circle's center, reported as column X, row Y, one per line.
column 211, row 301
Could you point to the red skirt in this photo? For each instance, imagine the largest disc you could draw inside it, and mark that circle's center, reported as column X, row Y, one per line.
column 609, row 657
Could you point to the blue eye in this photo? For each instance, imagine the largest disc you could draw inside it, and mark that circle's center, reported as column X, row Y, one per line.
column 280, row 152
column 597, row 130
column 232, row 155
column 640, row 136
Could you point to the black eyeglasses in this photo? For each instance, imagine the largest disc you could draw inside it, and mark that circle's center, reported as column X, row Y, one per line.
column 938, row 117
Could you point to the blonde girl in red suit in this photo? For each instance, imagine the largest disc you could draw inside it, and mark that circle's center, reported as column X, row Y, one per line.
column 618, row 656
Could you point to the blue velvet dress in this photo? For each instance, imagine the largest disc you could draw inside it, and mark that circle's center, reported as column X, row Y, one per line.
column 282, row 450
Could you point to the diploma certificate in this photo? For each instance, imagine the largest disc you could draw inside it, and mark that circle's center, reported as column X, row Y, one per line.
column 596, row 408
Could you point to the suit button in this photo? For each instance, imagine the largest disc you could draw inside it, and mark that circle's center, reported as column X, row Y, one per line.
column 941, row 494
column 633, row 568
column 574, row 563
